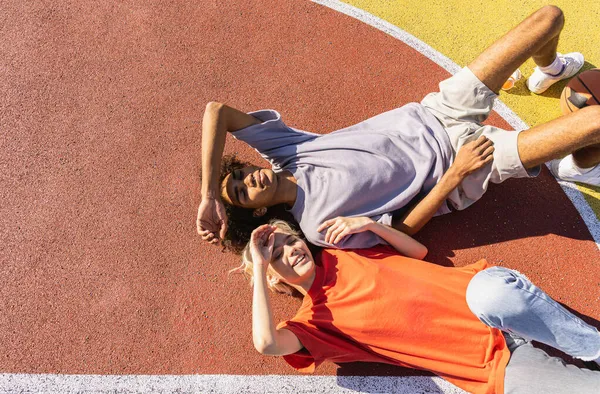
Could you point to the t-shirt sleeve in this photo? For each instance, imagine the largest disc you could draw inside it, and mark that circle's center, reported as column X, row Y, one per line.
column 320, row 344
column 302, row 360
column 272, row 138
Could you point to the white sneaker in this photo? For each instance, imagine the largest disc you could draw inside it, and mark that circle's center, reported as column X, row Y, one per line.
column 566, row 170
column 539, row 81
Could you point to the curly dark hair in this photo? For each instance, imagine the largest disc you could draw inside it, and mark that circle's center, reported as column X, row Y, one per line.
column 241, row 221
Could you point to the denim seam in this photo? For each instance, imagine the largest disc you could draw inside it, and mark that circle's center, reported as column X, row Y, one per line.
column 577, row 320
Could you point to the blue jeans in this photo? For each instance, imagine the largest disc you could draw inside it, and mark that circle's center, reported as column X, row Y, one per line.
column 507, row 300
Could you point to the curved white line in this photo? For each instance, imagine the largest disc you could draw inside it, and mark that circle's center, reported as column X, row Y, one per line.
column 574, row 194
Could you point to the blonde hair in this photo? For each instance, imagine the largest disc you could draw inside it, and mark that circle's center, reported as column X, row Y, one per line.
column 273, row 280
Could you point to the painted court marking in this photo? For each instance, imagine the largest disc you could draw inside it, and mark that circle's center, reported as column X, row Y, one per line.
column 234, row 384
column 284, row 383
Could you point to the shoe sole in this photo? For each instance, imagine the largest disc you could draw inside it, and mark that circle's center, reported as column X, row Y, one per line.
column 594, row 181
column 542, row 91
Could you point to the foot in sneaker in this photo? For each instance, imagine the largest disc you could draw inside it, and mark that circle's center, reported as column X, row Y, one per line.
column 539, row 81
column 566, row 169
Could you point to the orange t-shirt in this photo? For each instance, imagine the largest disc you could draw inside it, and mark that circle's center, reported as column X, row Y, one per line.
column 377, row 306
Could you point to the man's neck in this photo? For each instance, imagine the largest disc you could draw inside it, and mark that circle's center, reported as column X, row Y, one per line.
column 287, row 188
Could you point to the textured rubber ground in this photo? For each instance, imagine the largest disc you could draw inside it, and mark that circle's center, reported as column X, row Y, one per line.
column 102, row 271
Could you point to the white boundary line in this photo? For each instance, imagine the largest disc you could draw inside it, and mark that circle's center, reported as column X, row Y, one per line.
column 226, row 384
column 586, row 212
column 574, row 194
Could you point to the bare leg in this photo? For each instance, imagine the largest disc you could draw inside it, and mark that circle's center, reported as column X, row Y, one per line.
column 577, row 133
column 537, row 37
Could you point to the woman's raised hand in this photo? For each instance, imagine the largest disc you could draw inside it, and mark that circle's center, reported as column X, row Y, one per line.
column 342, row 226
column 473, row 155
column 261, row 245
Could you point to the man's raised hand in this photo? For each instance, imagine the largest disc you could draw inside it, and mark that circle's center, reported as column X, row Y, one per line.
column 211, row 222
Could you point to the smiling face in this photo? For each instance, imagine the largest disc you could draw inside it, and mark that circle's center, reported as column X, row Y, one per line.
column 250, row 187
column 292, row 259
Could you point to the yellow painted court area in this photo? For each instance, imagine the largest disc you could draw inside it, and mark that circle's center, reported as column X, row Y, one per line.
column 461, row 29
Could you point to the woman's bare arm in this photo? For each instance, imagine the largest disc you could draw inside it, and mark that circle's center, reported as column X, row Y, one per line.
column 267, row 339
column 340, row 227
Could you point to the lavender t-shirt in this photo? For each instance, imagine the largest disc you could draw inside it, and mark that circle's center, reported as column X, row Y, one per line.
column 369, row 169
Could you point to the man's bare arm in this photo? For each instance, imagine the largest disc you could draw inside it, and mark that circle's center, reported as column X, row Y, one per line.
column 471, row 157
column 421, row 213
column 218, row 120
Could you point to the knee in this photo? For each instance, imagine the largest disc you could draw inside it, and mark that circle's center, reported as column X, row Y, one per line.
column 552, row 15
column 480, row 298
column 489, row 293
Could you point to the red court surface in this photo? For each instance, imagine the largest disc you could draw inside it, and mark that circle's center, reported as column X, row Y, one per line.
column 102, row 269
